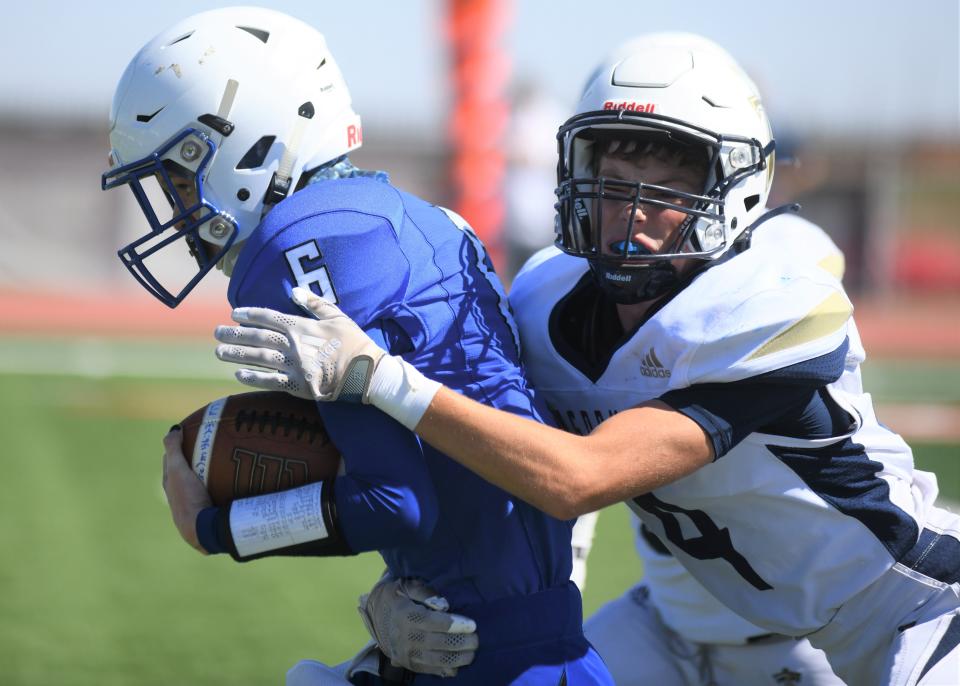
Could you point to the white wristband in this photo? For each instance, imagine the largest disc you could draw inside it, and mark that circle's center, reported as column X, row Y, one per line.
column 400, row 390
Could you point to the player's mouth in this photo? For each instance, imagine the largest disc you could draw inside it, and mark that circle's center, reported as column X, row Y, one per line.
column 632, row 248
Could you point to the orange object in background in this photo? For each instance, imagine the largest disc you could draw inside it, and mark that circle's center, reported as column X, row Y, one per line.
column 479, row 73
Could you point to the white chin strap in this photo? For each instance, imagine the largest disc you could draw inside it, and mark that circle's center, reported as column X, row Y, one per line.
column 228, row 261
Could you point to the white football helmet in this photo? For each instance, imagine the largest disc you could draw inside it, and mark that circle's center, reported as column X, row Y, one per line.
column 239, row 102
column 677, row 89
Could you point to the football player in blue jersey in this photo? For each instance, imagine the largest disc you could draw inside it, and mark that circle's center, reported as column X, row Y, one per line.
column 243, row 120
column 715, row 379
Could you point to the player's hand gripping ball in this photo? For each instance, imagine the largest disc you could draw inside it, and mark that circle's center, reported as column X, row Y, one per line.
column 254, row 443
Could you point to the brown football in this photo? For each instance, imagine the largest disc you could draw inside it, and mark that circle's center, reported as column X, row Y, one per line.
column 254, row 443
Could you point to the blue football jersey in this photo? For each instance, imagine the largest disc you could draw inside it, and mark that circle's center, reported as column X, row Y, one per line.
column 415, row 277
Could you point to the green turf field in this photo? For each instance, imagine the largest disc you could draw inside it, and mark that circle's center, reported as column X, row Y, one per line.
column 97, row 587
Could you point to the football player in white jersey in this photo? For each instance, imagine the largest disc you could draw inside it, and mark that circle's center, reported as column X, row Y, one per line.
column 717, row 385
column 668, row 629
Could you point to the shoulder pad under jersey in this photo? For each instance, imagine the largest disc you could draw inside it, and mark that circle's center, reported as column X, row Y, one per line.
column 339, row 238
column 778, row 304
column 547, row 275
column 538, row 258
column 805, row 241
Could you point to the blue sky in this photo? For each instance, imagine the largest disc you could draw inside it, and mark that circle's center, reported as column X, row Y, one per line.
column 884, row 67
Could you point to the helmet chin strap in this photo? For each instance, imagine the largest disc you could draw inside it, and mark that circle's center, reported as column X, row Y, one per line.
column 632, row 286
column 629, row 286
column 281, row 182
column 227, row 262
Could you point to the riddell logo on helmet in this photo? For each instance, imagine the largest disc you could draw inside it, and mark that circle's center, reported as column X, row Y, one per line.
column 629, row 106
column 354, row 136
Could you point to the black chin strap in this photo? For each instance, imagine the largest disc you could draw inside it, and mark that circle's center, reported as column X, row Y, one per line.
column 743, row 240
column 631, row 286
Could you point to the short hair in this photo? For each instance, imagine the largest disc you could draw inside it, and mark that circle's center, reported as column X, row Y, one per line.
column 677, row 153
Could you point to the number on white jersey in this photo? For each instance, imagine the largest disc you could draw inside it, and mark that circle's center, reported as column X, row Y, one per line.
column 713, row 543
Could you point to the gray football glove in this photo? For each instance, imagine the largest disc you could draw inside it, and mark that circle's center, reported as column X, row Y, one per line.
column 329, row 359
column 324, row 356
column 414, row 629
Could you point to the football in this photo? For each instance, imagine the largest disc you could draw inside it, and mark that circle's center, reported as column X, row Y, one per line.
column 254, row 443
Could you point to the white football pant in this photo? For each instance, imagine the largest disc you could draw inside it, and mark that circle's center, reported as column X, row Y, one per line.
column 640, row 650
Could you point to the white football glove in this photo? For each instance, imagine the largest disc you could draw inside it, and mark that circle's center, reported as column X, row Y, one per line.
column 325, row 357
column 411, row 624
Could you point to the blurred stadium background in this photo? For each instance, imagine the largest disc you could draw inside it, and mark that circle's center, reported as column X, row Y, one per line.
column 460, row 99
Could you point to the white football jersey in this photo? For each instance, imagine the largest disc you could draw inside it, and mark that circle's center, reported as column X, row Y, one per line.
column 783, row 529
column 685, row 605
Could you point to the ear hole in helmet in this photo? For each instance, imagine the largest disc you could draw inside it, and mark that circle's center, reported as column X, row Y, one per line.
column 257, row 153
column 750, row 202
column 259, row 34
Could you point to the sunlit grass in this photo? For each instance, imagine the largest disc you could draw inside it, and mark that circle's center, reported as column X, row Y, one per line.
column 98, row 589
